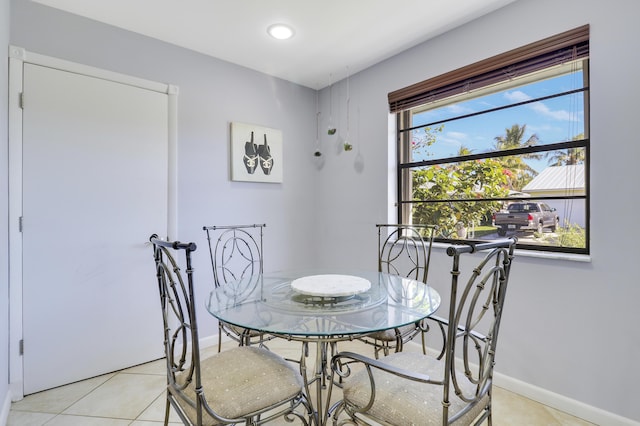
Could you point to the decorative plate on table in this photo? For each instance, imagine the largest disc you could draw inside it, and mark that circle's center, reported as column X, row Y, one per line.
column 330, row 285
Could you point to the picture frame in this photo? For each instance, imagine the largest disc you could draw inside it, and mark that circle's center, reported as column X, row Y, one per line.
column 256, row 153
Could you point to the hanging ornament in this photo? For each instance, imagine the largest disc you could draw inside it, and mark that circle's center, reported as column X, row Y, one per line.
column 347, row 141
column 317, row 152
column 331, row 129
column 358, row 162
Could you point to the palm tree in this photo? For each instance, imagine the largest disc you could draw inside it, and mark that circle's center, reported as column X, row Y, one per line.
column 569, row 157
column 464, row 150
column 513, row 139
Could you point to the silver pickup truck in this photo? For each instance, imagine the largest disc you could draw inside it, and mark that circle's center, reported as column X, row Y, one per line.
column 526, row 216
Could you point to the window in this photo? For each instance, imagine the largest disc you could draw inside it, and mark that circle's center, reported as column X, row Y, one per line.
column 512, row 130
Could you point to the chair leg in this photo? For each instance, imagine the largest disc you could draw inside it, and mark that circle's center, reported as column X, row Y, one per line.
column 385, row 348
column 245, row 337
column 219, row 337
column 377, row 348
column 489, row 408
column 167, row 411
column 399, row 342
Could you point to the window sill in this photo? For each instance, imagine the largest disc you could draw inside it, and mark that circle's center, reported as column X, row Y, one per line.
column 539, row 254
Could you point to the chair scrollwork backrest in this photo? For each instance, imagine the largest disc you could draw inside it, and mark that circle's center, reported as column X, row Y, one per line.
column 474, row 319
column 237, row 263
column 179, row 315
column 235, row 251
column 405, row 249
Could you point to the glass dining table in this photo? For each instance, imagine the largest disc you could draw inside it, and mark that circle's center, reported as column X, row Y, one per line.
column 322, row 307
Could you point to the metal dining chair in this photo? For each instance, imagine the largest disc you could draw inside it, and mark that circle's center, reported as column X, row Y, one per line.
column 236, row 254
column 403, row 249
column 247, row 385
column 413, row 388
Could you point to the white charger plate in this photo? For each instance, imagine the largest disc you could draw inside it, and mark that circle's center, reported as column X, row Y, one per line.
column 330, row 285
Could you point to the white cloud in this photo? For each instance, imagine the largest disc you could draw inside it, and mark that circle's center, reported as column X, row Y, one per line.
column 458, row 136
column 561, row 114
column 517, row 96
column 455, row 140
column 540, row 107
column 459, row 110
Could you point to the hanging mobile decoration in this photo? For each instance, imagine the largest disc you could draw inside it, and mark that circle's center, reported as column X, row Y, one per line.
column 358, row 162
column 347, row 144
column 331, row 130
column 316, row 152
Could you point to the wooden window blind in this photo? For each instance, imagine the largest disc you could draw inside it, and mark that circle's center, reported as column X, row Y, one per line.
column 556, row 50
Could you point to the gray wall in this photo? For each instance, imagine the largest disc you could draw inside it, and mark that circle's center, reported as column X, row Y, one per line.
column 212, row 93
column 569, row 327
column 4, row 212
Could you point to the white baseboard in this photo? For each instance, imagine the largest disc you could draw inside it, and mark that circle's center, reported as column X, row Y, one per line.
column 6, row 407
column 209, row 341
column 562, row 403
column 559, row 402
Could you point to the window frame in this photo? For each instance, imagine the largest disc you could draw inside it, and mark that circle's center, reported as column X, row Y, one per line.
column 536, row 56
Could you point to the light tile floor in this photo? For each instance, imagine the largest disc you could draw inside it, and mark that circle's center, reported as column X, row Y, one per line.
column 135, row 397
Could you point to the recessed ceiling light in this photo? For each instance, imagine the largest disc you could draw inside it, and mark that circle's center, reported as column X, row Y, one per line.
column 280, row 31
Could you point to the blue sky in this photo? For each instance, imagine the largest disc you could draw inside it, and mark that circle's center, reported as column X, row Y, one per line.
column 553, row 120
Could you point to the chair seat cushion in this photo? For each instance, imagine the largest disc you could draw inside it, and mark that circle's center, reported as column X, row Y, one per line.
column 242, row 380
column 390, row 335
column 241, row 331
column 403, row 402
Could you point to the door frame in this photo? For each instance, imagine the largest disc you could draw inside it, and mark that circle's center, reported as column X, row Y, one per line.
column 17, row 58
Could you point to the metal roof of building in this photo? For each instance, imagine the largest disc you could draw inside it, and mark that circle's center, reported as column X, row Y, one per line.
column 558, row 177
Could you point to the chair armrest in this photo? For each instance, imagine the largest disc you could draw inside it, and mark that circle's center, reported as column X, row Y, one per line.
column 443, row 323
column 442, row 326
column 338, row 365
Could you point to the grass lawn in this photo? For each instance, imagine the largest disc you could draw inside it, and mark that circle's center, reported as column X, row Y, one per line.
column 483, row 230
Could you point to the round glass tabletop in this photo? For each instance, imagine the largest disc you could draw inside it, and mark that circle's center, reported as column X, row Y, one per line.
column 270, row 303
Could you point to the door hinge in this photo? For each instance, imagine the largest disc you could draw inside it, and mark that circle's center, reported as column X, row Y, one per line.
column 21, row 347
column 21, row 100
column 20, row 224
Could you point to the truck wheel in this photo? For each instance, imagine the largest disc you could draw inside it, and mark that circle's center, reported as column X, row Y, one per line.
column 540, row 229
column 502, row 232
column 555, row 225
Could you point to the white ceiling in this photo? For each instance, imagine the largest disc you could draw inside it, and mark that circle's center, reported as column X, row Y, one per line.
column 333, row 38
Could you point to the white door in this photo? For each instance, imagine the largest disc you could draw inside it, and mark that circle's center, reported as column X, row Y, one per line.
column 95, row 160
